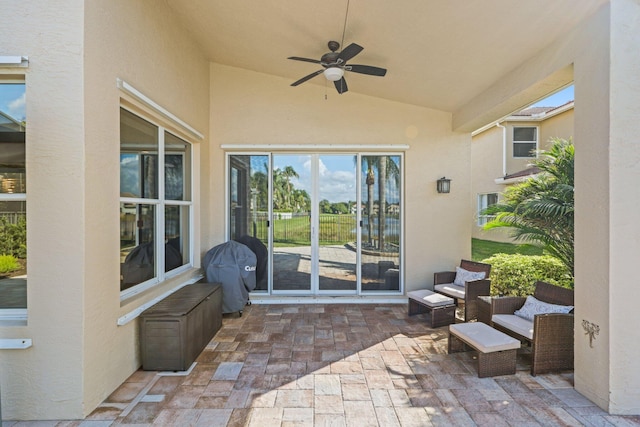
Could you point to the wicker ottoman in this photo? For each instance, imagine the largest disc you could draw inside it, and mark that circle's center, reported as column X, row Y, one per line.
column 496, row 350
column 441, row 308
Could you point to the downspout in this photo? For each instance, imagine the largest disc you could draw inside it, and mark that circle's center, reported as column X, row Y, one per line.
column 504, row 149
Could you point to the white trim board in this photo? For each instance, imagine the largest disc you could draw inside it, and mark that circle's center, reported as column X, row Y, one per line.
column 130, row 90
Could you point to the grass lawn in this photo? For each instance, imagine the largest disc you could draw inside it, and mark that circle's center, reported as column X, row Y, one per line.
column 482, row 249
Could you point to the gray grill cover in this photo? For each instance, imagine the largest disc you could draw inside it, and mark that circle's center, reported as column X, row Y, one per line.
column 233, row 265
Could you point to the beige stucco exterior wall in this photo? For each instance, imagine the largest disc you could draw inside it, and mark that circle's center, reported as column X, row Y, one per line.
column 592, row 247
column 624, row 175
column 607, row 229
column 79, row 354
column 47, row 373
column 559, row 126
column 252, row 108
column 141, row 43
column 486, row 166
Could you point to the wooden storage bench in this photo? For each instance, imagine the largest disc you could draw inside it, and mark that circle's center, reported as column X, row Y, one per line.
column 496, row 350
column 441, row 308
column 174, row 331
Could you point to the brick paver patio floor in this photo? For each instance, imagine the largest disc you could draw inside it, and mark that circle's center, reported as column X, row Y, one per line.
column 341, row 365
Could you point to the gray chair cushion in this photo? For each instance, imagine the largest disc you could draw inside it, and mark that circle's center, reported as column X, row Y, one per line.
column 514, row 323
column 451, row 290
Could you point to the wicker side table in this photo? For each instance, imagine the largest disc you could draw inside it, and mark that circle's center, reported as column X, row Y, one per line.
column 483, row 303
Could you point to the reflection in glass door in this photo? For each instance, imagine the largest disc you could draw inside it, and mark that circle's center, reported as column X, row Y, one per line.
column 337, row 224
column 249, row 209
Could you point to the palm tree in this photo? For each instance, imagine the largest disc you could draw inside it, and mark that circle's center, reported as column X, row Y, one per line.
column 260, row 182
column 386, row 168
column 278, row 189
column 541, row 209
column 371, row 178
column 288, row 173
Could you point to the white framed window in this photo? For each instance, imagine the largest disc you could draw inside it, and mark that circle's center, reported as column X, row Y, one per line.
column 525, row 141
column 155, row 203
column 484, row 201
column 13, row 199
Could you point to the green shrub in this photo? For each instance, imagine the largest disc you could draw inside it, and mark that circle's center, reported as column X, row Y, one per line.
column 517, row 274
column 8, row 263
column 13, row 238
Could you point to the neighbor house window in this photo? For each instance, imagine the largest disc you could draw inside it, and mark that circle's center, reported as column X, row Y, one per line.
column 525, row 141
column 484, row 201
column 155, row 203
column 13, row 199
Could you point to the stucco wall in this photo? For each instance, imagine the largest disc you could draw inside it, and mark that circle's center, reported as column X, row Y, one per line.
column 46, row 374
column 76, row 52
column 625, row 230
column 592, row 248
column 486, row 166
column 560, row 126
column 607, row 230
column 141, row 43
column 253, row 108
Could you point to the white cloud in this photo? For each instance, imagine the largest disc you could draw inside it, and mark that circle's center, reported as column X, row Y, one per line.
column 338, row 186
column 17, row 108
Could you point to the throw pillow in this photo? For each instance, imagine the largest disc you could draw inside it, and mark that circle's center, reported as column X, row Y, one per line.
column 463, row 276
column 533, row 306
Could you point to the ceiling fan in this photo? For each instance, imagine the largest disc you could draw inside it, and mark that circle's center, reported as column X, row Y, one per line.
column 334, row 65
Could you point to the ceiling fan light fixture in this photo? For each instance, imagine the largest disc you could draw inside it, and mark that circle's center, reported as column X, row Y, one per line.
column 333, row 73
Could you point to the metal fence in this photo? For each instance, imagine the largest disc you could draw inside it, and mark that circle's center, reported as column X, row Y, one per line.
column 13, row 217
column 295, row 228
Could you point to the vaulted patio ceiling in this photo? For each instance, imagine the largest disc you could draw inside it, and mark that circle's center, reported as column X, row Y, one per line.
column 439, row 54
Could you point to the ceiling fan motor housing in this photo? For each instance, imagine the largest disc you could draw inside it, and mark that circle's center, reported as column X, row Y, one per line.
column 329, row 59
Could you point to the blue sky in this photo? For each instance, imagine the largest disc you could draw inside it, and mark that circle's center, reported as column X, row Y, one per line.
column 12, row 100
column 337, row 181
column 557, row 99
column 337, row 175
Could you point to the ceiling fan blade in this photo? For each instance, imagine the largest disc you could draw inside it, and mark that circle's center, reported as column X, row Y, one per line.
column 305, row 78
column 341, row 86
column 297, row 58
column 366, row 69
column 349, row 52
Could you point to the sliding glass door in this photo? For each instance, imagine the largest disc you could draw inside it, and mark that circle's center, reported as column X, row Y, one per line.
column 337, row 223
column 331, row 223
column 380, row 183
column 291, row 226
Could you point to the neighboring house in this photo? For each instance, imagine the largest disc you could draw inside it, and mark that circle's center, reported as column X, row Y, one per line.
column 170, row 108
column 502, row 152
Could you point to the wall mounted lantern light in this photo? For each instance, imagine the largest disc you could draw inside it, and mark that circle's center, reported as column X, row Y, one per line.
column 443, row 185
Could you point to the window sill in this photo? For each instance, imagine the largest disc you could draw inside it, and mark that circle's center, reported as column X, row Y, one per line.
column 13, row 317
column 133, row 314
column 15, row 344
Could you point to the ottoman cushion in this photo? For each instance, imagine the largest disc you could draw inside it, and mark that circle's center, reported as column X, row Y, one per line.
column 430, row 299
column 483, row 337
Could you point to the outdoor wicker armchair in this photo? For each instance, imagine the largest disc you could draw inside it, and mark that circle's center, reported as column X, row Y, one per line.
column 550, row 335
column 467, row 291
